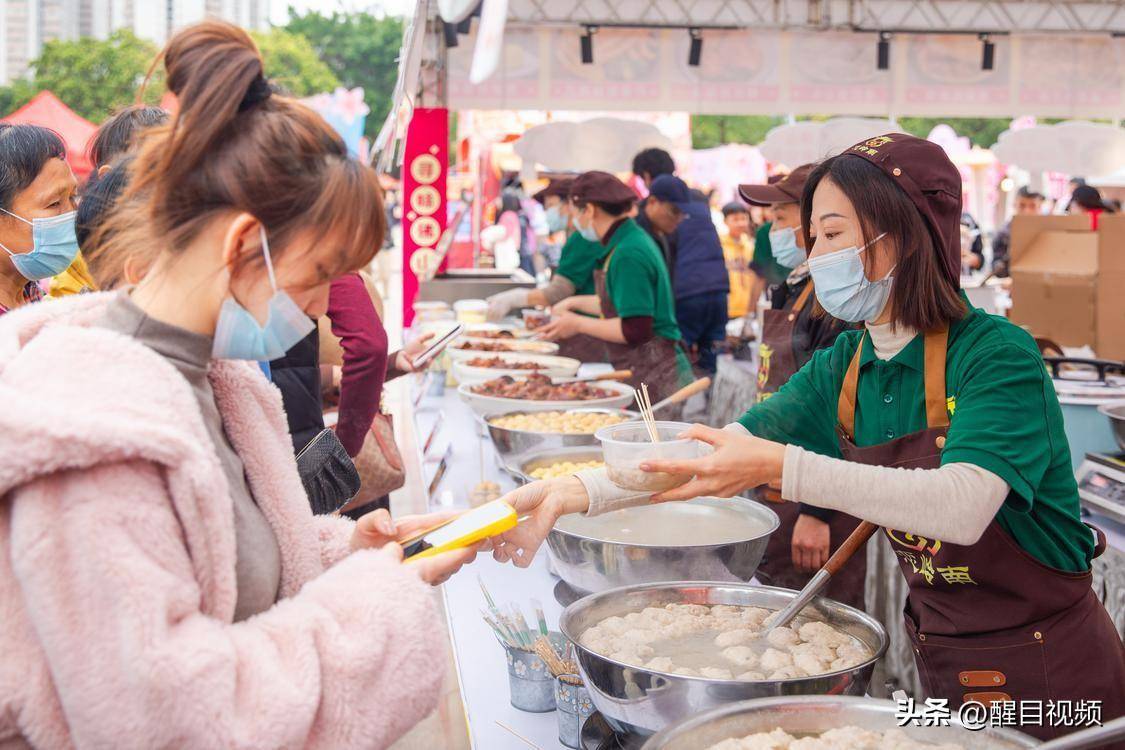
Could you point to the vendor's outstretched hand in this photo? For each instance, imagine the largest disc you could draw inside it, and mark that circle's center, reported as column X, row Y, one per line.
column 542, row 502
column 562, row 327
column 740, row 461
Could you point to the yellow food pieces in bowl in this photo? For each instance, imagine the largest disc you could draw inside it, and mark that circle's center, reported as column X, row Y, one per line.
column 565, row 422
column 564, row 469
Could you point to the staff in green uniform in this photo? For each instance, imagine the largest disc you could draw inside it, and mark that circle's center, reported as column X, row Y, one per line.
column 579, row 258
column 634, row 303
column 936, row 422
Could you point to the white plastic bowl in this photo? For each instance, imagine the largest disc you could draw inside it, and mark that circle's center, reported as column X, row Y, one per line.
column 627, row 445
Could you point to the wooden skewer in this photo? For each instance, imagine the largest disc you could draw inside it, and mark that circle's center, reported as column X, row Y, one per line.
column 545, row 651
column 518, row 736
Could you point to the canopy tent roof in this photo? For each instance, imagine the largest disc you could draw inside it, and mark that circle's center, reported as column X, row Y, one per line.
column 930, row 16
column 47, row 110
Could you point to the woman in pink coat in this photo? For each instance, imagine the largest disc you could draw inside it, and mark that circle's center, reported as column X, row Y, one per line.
column 162, row 581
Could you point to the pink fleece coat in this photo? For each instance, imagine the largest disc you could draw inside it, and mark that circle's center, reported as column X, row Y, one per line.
column 117, row 565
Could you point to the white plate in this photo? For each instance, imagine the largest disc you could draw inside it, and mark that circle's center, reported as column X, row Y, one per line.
column 515, row 346
column 519, row 332
column 487, row 406
column 553, row 367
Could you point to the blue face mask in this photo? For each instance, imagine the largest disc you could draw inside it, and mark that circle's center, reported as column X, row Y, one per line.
column 842, row 287
column 238, row 335
column 783, row 244
column 556, row 222
column 587, row 233
column 54, row 245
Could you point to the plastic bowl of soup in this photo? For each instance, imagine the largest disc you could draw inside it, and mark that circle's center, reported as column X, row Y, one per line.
column 626, row 446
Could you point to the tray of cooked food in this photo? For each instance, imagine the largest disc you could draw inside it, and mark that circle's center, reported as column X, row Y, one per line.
column 538, row 392
column 468, row 348
column 654, row 654
column 554, row 463
column 520, row 432
column 487, row 365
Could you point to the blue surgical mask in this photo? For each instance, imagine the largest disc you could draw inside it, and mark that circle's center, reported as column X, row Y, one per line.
column 842, row 287
column 238, row 335
column 556, row 222
column 783, row 244
column 587, row 233
column 54, row 245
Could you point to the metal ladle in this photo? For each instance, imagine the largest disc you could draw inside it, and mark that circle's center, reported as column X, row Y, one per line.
column 816, row 584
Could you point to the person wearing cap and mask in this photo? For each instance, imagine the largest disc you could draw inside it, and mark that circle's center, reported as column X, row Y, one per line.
column 634, row 303
column 791, row 334
column 936, row 422
column 579, row 258
column 699, row 279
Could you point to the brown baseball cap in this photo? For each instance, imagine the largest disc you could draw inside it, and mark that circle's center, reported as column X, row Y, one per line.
column 600, row 187
column 786, row 190
column 924, row 172
column 559, row 186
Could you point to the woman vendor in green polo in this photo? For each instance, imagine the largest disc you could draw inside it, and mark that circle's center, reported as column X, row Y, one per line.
column 936, row 422
column 633, row 300
column 577, row 260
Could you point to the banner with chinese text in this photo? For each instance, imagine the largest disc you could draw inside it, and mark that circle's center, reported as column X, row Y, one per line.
column 424, row 166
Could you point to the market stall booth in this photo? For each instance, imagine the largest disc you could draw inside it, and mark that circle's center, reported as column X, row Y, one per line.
column 480, row 436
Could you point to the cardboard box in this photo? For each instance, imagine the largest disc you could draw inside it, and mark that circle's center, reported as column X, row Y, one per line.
column 1068, row 282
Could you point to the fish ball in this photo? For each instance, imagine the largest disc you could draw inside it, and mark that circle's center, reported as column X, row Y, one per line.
column 773, row 659
column 735, row 637
column 743, row 656
column 716, row 673
column 782, row 638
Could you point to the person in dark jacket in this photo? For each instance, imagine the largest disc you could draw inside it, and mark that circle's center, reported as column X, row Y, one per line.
column 1028, row 203
column 700, row 281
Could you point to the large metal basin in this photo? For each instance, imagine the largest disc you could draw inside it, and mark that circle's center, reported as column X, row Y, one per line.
column 1115, row 413
column 644, row 701
column 589, row 562
column 812, row 714
column 514, row 444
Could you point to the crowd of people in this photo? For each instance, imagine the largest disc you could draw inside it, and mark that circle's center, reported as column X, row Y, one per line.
column 175, row 331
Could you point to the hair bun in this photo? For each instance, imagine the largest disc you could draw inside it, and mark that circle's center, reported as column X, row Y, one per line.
column 258, row 91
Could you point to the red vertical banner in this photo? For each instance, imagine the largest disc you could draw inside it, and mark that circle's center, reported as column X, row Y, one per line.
column 424, row 166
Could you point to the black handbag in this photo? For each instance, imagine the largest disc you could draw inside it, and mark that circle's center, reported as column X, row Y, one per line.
column 327, row 472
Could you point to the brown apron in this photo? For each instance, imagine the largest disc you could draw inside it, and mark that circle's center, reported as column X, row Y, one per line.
column 584, row 348
column 654, row 362
column 776, row 364
column 776, row 361
column 988, row 622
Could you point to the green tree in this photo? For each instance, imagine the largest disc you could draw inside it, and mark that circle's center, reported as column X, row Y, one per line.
column 981, row 131
column 293, row 64
column 15, row 96
column 708, row 131
column 96, row 76
column 361, row 49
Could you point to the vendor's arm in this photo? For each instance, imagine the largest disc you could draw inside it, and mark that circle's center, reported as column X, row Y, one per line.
column 587, row 304
column 559, row 288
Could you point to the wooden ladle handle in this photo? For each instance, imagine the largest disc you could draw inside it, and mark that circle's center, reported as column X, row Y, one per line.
column 855, row 541
column 684, row 393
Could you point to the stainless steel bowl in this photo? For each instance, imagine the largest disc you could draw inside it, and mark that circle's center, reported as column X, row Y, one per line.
column 812, row 714
column 643, row 701
column 511, row 444
column 588, row 563
column 1115, row 412
column 529, row 462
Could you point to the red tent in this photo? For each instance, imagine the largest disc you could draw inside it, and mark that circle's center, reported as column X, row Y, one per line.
column 47, row 110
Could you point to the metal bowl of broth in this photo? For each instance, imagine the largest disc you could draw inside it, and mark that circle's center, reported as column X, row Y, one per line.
column 813, row 714
column 706, row 539
column 642, row 701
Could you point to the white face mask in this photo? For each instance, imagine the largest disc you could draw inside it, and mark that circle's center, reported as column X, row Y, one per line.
column 842, row 286
column 588, row 232
column 783, row 244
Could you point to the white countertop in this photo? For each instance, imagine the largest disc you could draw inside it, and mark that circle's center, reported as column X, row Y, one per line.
column 481, row 666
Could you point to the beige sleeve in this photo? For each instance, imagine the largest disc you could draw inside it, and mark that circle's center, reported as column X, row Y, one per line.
column 954, row 503
column 559, row 288
column 606, row 496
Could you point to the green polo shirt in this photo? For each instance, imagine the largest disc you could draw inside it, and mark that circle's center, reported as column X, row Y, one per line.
column 579, row 259
column 1004, row 417
column 638, row 284
column 763, row 261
